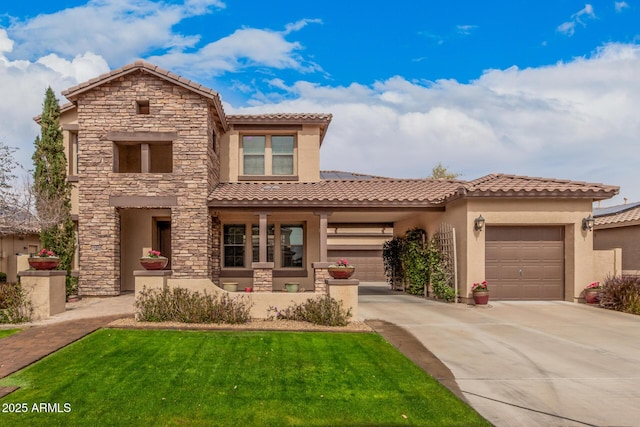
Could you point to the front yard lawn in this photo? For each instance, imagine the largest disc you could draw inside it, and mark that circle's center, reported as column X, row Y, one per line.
column 149, row 377
column 7, row 332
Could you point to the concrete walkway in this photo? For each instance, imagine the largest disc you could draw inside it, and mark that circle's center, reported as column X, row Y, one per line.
column 527, row 363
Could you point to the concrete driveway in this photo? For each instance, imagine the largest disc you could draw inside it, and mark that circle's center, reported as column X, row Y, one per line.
column 527, row 363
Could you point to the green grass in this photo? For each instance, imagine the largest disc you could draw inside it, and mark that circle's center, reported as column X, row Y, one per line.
column 196, row 378
column 7, row 332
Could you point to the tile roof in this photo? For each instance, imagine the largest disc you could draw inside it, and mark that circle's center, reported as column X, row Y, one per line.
column 617, row 216
column 348, row 175
column 388, row 192
column 334, row 193
column 526, row 186
column 280, row 118
column 322, row 119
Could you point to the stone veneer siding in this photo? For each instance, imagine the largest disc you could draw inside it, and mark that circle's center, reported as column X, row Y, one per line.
column 112, row 107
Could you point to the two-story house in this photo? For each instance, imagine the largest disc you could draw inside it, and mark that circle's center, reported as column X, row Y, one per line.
column 156, row 163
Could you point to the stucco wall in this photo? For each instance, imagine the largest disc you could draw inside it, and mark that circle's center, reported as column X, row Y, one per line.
column 11, row 246
column 627, row 238
column 307, row 153
column 568, row 213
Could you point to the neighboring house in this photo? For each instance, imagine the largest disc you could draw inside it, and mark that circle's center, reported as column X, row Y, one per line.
column 157, row 163
column 16, row 238
column 619, row 227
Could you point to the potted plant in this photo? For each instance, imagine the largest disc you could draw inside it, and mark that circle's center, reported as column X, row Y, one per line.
column 592, row 292
column 154, row 261
column 292, row 286
column 341, row 269
column 480, row 293
column 45, row 260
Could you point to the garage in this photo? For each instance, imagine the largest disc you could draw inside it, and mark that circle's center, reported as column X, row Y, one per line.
column 525, row 263
column 368, row 262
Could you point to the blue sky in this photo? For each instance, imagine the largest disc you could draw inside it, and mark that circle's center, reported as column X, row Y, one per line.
column 545, row 88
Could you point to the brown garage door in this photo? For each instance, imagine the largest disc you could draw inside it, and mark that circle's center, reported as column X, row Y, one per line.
column 525, row 263
column 369, row 266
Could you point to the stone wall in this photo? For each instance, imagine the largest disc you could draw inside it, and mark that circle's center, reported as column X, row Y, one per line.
column 112, row 107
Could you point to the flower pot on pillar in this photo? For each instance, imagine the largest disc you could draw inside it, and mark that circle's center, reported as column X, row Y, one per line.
column 341, row 270
column 43, row 263
column 154, row 261
column 45, row 260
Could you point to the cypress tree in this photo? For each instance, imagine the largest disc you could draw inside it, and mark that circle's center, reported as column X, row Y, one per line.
column 51, row 188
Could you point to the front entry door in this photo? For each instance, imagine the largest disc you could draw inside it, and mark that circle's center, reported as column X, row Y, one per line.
column 164, row 239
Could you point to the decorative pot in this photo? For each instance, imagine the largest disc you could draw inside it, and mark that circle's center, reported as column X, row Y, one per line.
column 154, row 263
column 292, row 287
column 341, row 272
column 481, row 297
column 230, row 286
column 43, row 263
column 248, row 290
column 592, row 296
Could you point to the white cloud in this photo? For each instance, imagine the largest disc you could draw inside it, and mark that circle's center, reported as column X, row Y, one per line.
column 568, row 28
column 118, row 30
column 466, row 30
column 246, row 47
column 574, row 120
column 621, row 5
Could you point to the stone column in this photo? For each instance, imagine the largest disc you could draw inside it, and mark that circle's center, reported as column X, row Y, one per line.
column 47, row 291
column 262, row 276
column 320, row 274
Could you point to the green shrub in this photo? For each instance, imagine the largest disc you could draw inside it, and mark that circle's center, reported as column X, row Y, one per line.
column 15, row 305
column 71, row 284
column 3, row 277
column 621, row 293
column 182, row 305
column 323, row 310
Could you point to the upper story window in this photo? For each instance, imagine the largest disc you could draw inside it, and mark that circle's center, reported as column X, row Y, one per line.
column 268, row 155
column 134, row 157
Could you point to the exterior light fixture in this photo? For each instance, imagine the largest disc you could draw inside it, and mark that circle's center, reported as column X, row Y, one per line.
column 588, row 223
column 478, row 223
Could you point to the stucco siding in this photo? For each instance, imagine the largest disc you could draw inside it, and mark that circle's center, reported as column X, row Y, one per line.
column 627, row 238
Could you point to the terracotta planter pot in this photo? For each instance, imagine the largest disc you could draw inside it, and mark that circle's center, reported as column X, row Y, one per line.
column 481, row 297
column 43, row 263
column 341, row 272
column 592, row 296
column 154, row 263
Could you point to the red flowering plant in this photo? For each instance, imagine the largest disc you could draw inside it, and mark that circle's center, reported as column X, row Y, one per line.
column 480, row 287
column 342, row 263
column 46, row 253
column 593, row 285
column 154, row 254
